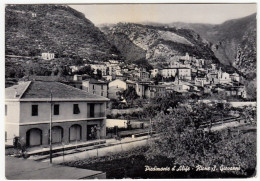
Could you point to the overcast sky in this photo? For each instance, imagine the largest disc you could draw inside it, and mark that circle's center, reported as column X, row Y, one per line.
column 165, row 13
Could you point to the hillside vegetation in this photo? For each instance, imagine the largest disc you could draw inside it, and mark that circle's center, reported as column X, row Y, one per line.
column 34, row 29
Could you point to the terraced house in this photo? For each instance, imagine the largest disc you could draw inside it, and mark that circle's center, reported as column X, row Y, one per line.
column 31, row 105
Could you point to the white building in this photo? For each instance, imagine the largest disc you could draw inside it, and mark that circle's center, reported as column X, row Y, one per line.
column 223, row 77
column 201, row 81
column 48, row 56
column 114, row 87
column 168, row 72
column 235, row 77
column 93, row 86
column 184, row 73
column 101, row 67
column 29, row 106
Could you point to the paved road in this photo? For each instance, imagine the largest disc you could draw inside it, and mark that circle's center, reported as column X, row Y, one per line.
column 22, row 169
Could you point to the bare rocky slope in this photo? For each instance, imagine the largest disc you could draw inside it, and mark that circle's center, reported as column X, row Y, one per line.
column 157, row 43
column 233, row 42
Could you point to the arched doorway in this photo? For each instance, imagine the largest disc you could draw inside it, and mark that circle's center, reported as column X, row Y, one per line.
column 34, row 137
column 75, row 132
column 57, row 134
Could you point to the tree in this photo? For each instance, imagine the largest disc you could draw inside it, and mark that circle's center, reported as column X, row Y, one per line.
column 99, row 74
column 251, row 90
column 249, row 114
column 157, row 79
column 64, row 71
column 129, row 95
column 143, row 63
column 86, row 70
column 162, row 104
column 10, row 72
column 182, row 139
column 78, row 61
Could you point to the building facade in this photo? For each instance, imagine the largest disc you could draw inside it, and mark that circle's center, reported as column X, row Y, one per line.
column 114, row 87
column 184, row 73
column 157, row 91
column 96, row 87
column 168, row 72
column 76, row 115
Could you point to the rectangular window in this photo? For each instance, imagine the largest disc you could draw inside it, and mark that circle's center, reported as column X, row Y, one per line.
column 101, row 87
column 34, row 110
column 76, row 109
column 5, row 109
column 56, row 109
column 101, row 93
column 93, row 86
column 92, row 110
column 5, row 136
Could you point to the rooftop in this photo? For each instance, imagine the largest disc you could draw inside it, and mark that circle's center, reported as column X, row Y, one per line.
column 130, row 82
column 95, row 81
column 41, row 90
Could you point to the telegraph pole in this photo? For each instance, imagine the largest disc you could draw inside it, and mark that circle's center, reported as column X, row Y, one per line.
column 51, row 131
column 151, row 128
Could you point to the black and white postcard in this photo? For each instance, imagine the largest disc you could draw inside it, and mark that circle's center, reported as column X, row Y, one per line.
column 137, row 91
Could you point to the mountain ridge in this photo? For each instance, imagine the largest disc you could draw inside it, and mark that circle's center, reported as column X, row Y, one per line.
column 34, row 29
column 233, row 41
column 160, row 43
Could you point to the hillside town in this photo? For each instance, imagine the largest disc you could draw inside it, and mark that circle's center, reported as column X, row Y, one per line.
column 182, row 75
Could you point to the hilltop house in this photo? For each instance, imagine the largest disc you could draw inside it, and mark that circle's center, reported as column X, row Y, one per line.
column 47, row 56
column 29, row 107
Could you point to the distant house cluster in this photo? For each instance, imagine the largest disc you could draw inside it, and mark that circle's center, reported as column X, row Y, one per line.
column 182, row 74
